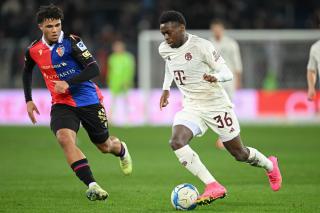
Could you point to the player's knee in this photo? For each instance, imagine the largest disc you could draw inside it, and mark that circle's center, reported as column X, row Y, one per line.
column 177, row 142
column 64, row 139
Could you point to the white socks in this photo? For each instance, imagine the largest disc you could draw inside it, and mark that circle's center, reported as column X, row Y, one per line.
column 257, row 159
column 92, row 184
column 189, row 159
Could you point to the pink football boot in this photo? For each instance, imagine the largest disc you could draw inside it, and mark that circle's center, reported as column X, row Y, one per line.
column 212, row 192
column 274, row 176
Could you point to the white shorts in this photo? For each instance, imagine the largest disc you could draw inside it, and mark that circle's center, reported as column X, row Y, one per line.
column 224, row 123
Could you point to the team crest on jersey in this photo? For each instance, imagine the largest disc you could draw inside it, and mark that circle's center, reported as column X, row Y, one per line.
column 188, row 56
column 60, row 51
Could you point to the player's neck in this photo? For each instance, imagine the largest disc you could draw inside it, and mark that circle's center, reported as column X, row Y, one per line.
column 184, row 40
column 49, row 42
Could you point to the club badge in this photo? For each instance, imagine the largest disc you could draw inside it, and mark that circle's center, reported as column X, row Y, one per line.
column 60, row 51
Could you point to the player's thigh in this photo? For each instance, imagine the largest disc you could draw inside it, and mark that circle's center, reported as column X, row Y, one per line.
column 94, row 120
column 191, row 120
column 64, row 117
column 224, row 123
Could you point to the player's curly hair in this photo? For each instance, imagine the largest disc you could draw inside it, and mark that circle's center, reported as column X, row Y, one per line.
column 50, row 11
column 172, row 16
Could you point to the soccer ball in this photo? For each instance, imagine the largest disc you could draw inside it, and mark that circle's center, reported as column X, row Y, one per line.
column 184, row 196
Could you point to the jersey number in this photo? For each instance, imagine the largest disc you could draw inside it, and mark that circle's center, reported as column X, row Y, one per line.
column 226, row 121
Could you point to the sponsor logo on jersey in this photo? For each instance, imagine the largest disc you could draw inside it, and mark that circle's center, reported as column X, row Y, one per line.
column 60, row 51
column 86, row 54
column 81, row 46
column 58, row 75
column 188, row 56
column 45, row 67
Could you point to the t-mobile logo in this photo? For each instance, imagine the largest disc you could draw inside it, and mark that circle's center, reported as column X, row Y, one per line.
column 179, row 75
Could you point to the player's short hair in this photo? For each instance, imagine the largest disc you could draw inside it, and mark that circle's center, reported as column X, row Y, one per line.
column 50, row 11
column 172, row 16
column 217, row 21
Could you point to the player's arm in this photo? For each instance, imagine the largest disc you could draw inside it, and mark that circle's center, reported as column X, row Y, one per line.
column 168, row 78
column 312, row 74
column 311, row 78
column 220, row 71
column 84, row 57
column 27, row 82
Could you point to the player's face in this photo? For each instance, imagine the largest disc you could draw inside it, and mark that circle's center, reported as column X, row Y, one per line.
column 217, row 30
column 51, row 29
column 174, row 33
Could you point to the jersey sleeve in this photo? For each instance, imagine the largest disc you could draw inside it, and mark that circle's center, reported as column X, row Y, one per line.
column 29, row 63
column 80, row 52
column 217, row 64
column 168, row 78
column 312, row 63
column 211, row 56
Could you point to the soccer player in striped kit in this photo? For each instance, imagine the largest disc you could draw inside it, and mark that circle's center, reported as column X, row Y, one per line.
column 67, row 67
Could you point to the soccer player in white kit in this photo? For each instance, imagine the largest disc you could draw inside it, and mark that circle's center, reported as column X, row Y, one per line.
column 197, row 69
column 312, row 68
column 229, row 50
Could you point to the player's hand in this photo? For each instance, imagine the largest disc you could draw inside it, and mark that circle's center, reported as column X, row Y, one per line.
column 164, row 99
column 31, row 108
column 209, row 78
column 60, row 86
column 311, row 94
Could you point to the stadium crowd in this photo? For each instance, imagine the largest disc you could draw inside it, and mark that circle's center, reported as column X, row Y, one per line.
column 100, row 22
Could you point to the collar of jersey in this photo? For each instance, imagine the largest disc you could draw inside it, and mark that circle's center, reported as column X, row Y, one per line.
column 52, row 46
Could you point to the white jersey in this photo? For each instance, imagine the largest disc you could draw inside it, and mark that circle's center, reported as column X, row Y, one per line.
column 186, row 65
column 314, row 57
column 229, row 49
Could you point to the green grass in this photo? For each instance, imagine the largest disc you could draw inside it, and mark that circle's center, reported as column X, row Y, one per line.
column 34, row 176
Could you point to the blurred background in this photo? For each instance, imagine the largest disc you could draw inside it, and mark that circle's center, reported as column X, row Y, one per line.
column 274, row 39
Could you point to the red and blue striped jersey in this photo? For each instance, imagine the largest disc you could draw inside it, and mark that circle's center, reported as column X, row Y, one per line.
column 62, row 61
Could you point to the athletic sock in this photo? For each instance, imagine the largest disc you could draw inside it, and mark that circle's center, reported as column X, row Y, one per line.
column 257, row 159
column 122, row 152
column 83, row 171
column 190, row 159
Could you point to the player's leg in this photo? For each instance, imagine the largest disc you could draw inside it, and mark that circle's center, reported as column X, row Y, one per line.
column 187, row 125
column 181, row 135
column 255, row 158
column 118, row 148
column 226, row 125
column 65, row 124
column 94, row 120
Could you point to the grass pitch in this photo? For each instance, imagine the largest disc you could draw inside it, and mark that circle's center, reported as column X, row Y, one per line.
column 34, row 176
